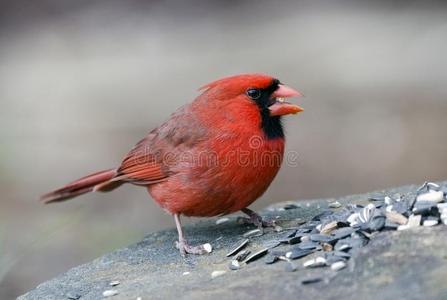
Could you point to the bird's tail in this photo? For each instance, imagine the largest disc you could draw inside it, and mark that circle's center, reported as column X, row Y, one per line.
column 100, row 181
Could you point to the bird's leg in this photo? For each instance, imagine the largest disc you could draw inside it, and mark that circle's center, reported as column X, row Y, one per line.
column 255, row 219
column 183, row 246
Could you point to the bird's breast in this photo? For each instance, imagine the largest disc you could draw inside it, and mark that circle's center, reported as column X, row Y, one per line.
column 223, row 175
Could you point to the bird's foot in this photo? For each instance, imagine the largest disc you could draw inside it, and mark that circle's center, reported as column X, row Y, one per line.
column 255, row 219
column 184, row 248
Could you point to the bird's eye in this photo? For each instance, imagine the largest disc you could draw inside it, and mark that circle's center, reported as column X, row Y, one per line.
column 254, row 93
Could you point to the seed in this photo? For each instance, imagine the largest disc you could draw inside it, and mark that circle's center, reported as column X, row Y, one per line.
column 114, row 283
column 435, row 196
column 353, row 219
column 298, row 253
column 335, row 204
column 238, row 248
column 256, row 255
column 367, row 213
column 308, row 245
column 109, row 293
column 342, row 232
column 254, row 232
column 403, row 227
column 337, row 266
column 291, row 206
column 328, row 228
column 327, row 247
column 414, row 221
column 222, row 220
column 315, row 263
column 242, row 255
column 207, row 247
column 235, row 265
column 311, row 280
column 395, row 217
column 217, row 273
column 429, row 223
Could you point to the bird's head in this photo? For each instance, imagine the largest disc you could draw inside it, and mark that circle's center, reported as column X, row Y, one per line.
column 258, row 98
column 263, row 90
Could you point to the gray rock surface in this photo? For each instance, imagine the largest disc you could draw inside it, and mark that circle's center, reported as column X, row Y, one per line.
column 409, row 264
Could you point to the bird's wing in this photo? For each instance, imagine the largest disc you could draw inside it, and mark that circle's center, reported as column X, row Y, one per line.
column 154, row 158
column 142, row 165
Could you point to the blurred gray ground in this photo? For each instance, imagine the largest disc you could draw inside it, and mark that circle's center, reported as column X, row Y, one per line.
column 82, row 81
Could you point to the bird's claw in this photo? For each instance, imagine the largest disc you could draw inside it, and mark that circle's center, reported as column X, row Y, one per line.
column 184, row 248
column 255, row 219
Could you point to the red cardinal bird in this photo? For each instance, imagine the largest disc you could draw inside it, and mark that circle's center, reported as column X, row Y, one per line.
column 214, row 156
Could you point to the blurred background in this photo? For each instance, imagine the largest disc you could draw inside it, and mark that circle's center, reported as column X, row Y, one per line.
column 82, row 81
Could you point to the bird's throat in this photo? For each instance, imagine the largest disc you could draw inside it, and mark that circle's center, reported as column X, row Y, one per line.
column 271, row 125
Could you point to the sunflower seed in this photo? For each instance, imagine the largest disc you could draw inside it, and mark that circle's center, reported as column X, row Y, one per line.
column 311, row 280
column 298, row 253
column 291, row 206
column 403, row 227
column 335, row 204
column 327, row 247
column 242, row 255
column 425, row 208
column 308, row 245
column 353, row 219
column 433, row 186
column 238, row 248
column 251, row 233
column 294, row 240
column 207, row 247
column 217, row 273
column 315, row 262
column 329, row 227
column 256, row 255
column 388, row 200
column 222, row 220
column 234, row 265
column 435, row 196
column 343, row 232
column 337, row 266
column 429, row 223
column 395, row 217
column 367, row 213
column 114, row 283
column 109, row 293
column 414, row 221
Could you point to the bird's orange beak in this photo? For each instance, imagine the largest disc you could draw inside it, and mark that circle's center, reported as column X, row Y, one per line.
column 279, row 106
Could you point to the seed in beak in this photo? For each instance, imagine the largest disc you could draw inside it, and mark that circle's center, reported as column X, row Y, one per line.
column 280, row 99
